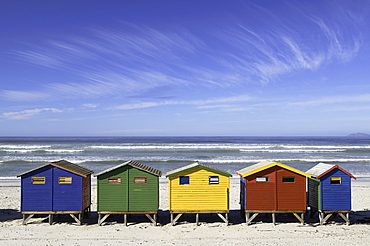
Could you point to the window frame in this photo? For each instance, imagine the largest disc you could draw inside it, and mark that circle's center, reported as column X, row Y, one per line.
column 334, row 180
column 213, row 182
column 114, row 180
column 65, row 180
column 34, row 180
column 287, row 178
column 184, row 178
column 137, row 180
column 266, row 179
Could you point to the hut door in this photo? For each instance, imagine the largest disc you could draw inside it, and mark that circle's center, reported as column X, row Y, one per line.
column 261, row 190
column 290, row 190
column 143, row 194
column 37, row 190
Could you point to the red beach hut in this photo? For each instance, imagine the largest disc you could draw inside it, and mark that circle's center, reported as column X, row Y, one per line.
column 272, row 187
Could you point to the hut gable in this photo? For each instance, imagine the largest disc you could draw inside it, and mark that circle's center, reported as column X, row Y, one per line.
column 135, row 164
column 332, row 191
column 263, row 165
column 322, row 169
column 130, row 186
column 56, row 187
column 198, row 187
column 271, row 186
column 65, row 165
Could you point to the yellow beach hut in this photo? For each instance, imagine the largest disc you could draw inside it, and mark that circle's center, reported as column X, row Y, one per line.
column 197, row 188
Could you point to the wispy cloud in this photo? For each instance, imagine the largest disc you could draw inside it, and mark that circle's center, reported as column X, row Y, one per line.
column 128, row 60
column 333, row 100
column 26, row 114
column 241, row 98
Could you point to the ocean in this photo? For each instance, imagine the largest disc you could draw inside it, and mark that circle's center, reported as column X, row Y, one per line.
column 20, row 154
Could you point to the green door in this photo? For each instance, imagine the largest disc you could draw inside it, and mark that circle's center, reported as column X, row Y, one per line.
column 113, row 190
column 143, row 191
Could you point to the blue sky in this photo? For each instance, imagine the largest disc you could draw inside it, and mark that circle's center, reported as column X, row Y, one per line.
column 195, row 67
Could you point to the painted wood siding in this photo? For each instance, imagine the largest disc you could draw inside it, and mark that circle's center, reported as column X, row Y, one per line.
column 336, row 196
column 86, row 192
column 275, row 194
column 37, row 197
column 291, row 196
column 143, row 197
column 113, row 197
column 261, row 195
column 67, row 197
column 199, row 195
column 243, row 200
column 313, row 193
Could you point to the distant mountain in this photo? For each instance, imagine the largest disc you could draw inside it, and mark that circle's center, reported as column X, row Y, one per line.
column 359, row 135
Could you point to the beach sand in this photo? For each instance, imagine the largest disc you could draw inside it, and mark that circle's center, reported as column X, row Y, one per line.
column 287, row 231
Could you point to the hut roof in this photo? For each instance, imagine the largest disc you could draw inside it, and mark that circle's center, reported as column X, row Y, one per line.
column 65, row 165
column 135, row 164
column 196, row 165
column 263, row 165
column 322, row 168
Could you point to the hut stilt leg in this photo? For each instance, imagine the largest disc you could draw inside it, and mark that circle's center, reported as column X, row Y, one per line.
column 326, row 218
column 197, row 219
column 151, row 219
column 249, row 220
column 224, row 219
column 321, row 217
column 301, row 219
column 101, row 220
column 78, row 221
column 346, row 219
column 175, row 219
column 51, row 219
column 172, row 219
column 26, row 219
column 273, row 219
column 125, row 219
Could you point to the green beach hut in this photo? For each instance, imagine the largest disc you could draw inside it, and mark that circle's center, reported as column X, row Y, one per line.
column 129, row 188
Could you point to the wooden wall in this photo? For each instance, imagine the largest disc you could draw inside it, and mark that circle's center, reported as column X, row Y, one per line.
column 275, row 194
column 128, row 196
column 199, row 195
column 336, row 196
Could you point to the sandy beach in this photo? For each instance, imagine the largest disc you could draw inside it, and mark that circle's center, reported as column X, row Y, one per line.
column 287, row 231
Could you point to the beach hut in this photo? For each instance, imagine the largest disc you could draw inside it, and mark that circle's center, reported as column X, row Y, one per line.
column 272, row 187
column 196, row 189
column 129, row 188
column 329, row 191
column 56, row 188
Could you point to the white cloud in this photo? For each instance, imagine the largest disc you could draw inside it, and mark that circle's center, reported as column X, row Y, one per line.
column 26, row 114
column 90, row 105
column 333, row 100
column 23, row 95
column 241, row 98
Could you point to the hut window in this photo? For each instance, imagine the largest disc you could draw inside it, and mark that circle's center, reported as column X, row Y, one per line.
column 114, row 180
column 184, row 180
column 140, row 180
column 335, row 180
column 64, row 180
column 213, row 180
column 288, row 179
column 38, row 180
column 262, row 179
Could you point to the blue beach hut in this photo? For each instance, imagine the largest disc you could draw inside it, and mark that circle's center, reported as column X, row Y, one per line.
column 56, row 188
column 329, row 191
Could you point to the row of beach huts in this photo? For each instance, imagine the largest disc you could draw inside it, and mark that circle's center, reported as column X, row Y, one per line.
column 133, row 188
